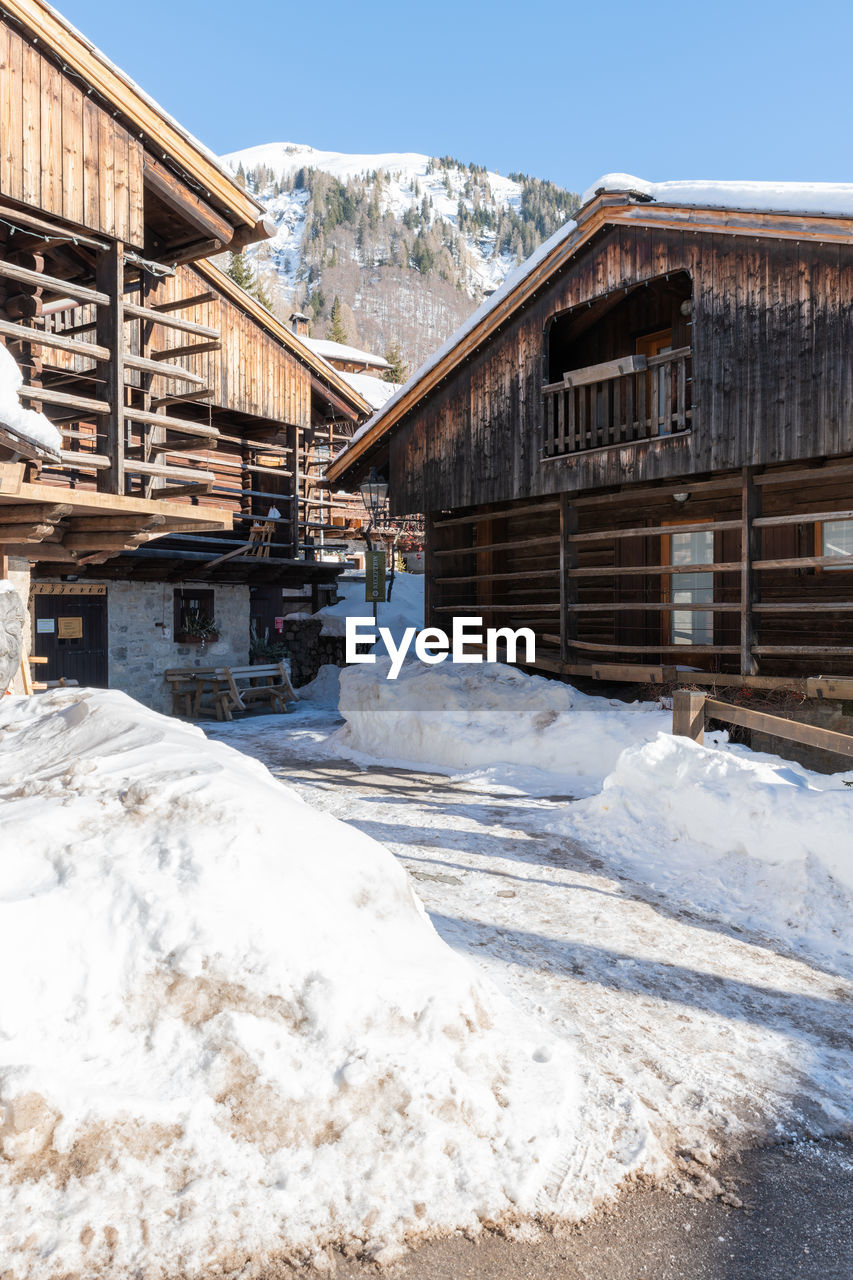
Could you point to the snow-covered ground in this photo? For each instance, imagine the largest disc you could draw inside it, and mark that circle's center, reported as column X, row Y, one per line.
column 699, row 1028
column 227, row 1025
column 231, row 1033
column 404, row 609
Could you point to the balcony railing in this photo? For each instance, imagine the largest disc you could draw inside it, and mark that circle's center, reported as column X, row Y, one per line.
column 618, row 402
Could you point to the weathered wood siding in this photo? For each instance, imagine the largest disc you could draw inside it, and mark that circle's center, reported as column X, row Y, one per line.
column 252, row 372
column 60, row 152
column 772, row 374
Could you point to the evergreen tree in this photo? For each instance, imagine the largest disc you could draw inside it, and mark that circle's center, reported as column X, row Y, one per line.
column 337, row 331
column 240, row 271
column 398, row 369
column 261, row 294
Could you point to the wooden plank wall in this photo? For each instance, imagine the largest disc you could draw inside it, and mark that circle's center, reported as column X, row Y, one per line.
column 60, row 152
column 252, row 372
column 772, row 374
column 799, row 607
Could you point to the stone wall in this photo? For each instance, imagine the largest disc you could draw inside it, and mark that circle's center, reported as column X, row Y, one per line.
column 307, row 650
column 141, row 644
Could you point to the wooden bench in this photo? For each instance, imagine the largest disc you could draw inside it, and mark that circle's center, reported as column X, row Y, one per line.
column 264, row 682
column 187, row 686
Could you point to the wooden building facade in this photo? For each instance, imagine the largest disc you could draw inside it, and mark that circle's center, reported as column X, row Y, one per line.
column 643, row 450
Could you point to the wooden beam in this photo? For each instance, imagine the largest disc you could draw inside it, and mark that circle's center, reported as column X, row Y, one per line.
column 101, row 541
column 604, row 371
column 104, row 524
column 162, row 370
column 41, row 338
column 177, row 196
column 527, row 508
column 655, row 531
column 191, row 349
column 172, row 424
column 30, row 513
column 791, row 730
column 688, row 715
column 169, row 473
column 183, row 304
column 750, row 553
column 95, row 461
column 499, row 546
column 619, row 571
column 109, row 273
column 153, row 315
column 23, row 532
column 79, row 292
column 82, row 404
column 568, row 583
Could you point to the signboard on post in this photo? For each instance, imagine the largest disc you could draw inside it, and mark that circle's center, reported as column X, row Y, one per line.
column 374, row 576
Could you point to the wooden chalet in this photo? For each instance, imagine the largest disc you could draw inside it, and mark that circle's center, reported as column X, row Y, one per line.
column 101, row 195
column 186, row 410
column 643, row 447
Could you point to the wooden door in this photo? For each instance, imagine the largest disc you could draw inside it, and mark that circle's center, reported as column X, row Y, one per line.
column 656, row 344
column 71, row 632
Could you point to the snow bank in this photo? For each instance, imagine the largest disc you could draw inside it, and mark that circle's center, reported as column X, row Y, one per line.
column 405, row 608
column 228, row 1029
column 325, row 689
column 460, row 717
column 26, row 422
column 758, row 841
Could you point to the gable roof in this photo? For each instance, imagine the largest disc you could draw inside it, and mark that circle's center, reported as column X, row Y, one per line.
column 813, row 210
column 321, row 368
column 159, row 131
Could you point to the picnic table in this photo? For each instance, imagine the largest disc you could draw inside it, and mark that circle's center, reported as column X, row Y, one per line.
column 224, row 690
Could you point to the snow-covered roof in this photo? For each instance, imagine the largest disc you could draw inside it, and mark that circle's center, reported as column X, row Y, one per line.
column 340, row 351
column 374, row 390
column 808, row 198
column 815, row 198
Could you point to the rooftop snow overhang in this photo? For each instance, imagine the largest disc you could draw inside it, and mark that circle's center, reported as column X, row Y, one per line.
column 604, row 206
column 163, row 138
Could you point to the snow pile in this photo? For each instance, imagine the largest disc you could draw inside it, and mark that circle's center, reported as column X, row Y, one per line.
column 405, row 608
column 756, row 840
column 33, row 426
column 463, row 717
column 773, row 197
column 324, row 690
column 228, row 1029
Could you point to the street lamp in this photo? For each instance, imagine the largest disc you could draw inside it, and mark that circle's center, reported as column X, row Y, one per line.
column 374, row 495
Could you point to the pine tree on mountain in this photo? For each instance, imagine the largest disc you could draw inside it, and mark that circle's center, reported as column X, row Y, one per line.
column 398, row 369
column 261, row 294
column 337, row 331
column 240, row 270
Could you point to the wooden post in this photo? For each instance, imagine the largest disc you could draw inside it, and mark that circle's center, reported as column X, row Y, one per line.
column 431, row 568
column 688, row 715
column 294, row 502
column 110, row 334
column 750, row 552
column 568, row 584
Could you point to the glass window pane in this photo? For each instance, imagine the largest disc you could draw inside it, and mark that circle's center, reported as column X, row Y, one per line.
column 692, row 626
column 837, row 540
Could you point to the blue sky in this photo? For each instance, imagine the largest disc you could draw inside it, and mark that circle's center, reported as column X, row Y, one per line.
column 559, row 90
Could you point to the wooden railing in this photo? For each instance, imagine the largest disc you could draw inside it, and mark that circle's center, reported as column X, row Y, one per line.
column 617, row 403
column 692, row 710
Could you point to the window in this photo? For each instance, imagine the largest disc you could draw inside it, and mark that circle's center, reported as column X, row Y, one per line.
column 692, row 625
column 836, row 539
column 195, row 614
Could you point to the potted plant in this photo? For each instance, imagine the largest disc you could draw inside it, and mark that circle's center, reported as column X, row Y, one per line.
column 196, row 628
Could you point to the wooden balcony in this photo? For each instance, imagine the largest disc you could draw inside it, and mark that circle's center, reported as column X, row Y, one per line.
column 618, row 403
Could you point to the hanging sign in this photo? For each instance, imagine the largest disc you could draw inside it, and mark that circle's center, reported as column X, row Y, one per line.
column 374, row 576
column 69, row 589
column 70, row 628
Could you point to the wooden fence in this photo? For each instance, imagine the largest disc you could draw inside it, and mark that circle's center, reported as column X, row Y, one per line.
column 691, row 711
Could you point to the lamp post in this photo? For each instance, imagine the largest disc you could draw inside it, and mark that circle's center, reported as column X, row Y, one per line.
column 374, row 495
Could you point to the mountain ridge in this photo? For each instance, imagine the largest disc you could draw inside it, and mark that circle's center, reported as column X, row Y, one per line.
column 409, row 243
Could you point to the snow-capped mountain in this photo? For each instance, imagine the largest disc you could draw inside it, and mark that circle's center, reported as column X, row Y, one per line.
column 410, row 244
